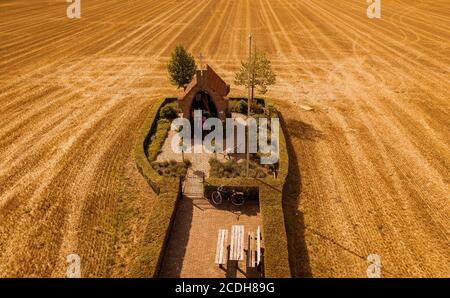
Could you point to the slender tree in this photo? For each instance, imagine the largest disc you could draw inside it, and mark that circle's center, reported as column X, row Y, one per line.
column 261, row 74
column 181, row 67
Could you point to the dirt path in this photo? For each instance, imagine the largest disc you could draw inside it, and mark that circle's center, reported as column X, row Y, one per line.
column 372, row 157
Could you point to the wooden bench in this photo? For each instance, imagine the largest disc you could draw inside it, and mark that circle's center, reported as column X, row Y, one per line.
column 251, row 252
column 254, row 249
column 258, row 246
column 221, row 248
column 237, row 243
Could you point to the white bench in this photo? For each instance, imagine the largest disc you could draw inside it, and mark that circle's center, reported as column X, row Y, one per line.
column 254, row 249
column 221, row 248
column 237, row 243
column 258, row 246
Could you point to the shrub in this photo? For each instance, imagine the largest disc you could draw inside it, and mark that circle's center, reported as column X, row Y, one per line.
column 233, row 169
column 171, row 168
column 257, row 108
column 238, row 106
column 169, row 111
column 187, row 163
column 272, row 110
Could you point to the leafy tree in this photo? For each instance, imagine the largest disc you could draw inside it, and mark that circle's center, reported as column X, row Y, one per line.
column 261, row 73
column 181, row 67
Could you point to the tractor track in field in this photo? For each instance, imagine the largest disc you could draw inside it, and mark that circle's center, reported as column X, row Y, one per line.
column 373, row 156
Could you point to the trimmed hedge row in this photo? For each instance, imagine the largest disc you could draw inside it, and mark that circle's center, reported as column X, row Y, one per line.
column 156, row 235
column 143, row 147
column 276, row 260
column 270, row 193
column 283, row 164
column 157, row 232
column 162, row 129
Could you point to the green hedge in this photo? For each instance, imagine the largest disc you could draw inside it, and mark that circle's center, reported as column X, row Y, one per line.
column 268, row 190
column 276, row 260
column 270, row 194
column 156, row 235
column 157, row 141
column 144, row 143
column 161, row 218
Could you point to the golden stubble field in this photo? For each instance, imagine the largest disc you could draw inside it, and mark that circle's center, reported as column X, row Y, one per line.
column 370, row 162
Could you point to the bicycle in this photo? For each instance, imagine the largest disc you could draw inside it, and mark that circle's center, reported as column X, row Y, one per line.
column 236, row 197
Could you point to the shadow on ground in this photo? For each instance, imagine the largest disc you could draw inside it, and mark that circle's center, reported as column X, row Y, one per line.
column 295, row 226
column 250, row 208
column 302, row 130
column 177, row 243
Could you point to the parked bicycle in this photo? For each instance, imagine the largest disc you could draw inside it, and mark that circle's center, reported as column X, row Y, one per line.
column 236, row 197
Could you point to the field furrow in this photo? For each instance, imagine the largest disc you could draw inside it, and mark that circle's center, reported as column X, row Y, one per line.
column 370, row 159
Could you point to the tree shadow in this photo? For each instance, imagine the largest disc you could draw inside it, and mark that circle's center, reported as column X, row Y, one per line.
column 294, row 219
column 303, row 130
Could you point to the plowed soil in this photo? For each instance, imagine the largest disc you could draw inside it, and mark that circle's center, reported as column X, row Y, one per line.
column 370, row 161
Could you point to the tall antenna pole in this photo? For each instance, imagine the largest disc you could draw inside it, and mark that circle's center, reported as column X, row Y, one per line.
column 253, row 72
column 201, row 58
column 250, row 71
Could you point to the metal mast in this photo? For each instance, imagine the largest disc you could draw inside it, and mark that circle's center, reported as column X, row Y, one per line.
column 250, row 71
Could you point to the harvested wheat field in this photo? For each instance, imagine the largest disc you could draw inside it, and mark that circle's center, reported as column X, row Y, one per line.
column 366, row 104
